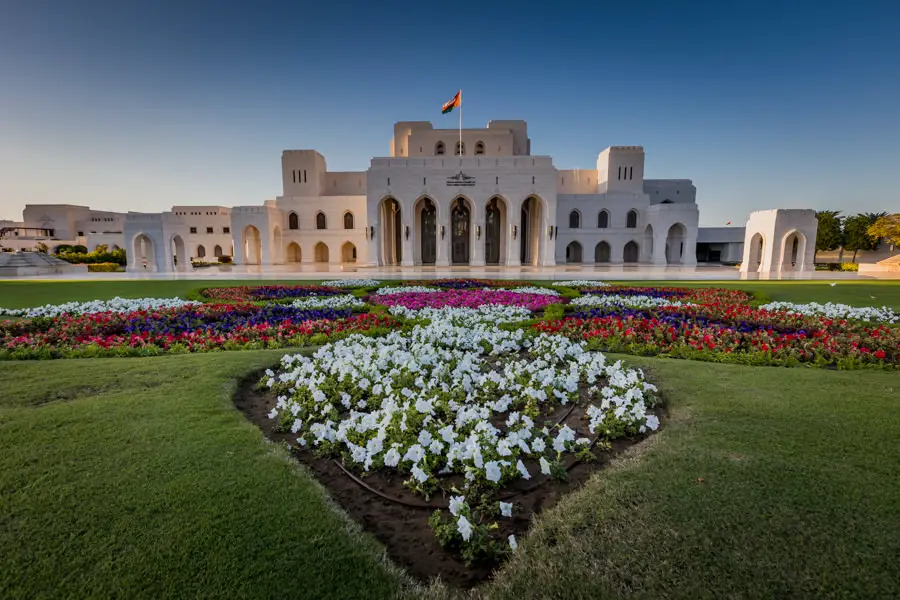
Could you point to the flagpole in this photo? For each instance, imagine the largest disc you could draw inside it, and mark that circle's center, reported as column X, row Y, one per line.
column 460, row 124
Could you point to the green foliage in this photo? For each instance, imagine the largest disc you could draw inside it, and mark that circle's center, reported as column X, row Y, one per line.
column 225, row 260
column 856, row 233
column 79, row 249
column 42, row 247
column 101, row 255
column 830, row 234
column 108, row 267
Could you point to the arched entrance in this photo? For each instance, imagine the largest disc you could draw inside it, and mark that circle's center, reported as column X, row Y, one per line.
column 201, row 251
column 648, row 245
column 217, row 251
column 530, row 231
column 675, row 244
column 573, row 253
column 631, row 252
column 495, row 231
column 293, row 252
column 757, row 245
column 460, row 221
column 348, row 253
column 391, row 244
column 180, row 258
column 793, row 251
column 602, row 253
column 144, row 253
column 252, row 245
column 426, row 218
column 320, row 252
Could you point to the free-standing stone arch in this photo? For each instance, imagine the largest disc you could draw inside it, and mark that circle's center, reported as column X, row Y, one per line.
column 675, row 240
column 793, row 251
column 143, row 253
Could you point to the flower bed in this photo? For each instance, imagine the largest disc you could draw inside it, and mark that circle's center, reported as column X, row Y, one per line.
column 464, row 284
column 690, row 295
column 351, row 283
column 580, row 283
column 467, row 299
column 188, row 329
column 837, row 311
column 463, row 410
column 118, row 305
column 267, row 292
column 335, row 302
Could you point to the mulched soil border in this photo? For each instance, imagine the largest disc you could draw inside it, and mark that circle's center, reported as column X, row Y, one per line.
column 401, row 522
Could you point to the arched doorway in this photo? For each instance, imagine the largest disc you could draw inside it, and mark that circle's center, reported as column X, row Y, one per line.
column 180, row 258
column 348, row 253
column 573, row 253
column 631, row 252
column 252, row 245
column 201, row 251
column 793, row 252
column 144, row 254
column 460, row 220
column 648, row 245
column 602, row 253
column 675, row 239
column 757, row 245
column 293, row 252
column 495, row 232
column 391, row 245
column 530, row 231
column 320, row 252
column 217, row 251
column 426, row 216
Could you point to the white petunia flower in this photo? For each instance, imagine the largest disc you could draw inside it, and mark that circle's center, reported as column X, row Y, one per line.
column 521, row 468
column 506, row 509
column 513, row 545
column 457, row 503
column 464, row 527
column 545, row 466
column 492, row 471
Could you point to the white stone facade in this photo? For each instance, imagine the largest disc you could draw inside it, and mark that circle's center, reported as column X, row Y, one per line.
column 780, row 241
column 433, row 201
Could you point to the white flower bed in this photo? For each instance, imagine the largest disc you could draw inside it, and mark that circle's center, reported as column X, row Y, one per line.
column 352, row 283
column 405, row 289
column 837, row 311
column 580, row 283
column 595, row 301
column 425, row 403
column 119, row 305
column 541, row 291
column 470, row 317
column 335, row 302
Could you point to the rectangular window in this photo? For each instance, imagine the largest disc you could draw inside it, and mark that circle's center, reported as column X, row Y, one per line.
column 209, row 230
column 389, row 181
column 620, row 172
column 630, row 172
column 304, row 175
column 423, row 181
column 80, row 234
column 193, row 230
column 226, row 230
column 294, row 173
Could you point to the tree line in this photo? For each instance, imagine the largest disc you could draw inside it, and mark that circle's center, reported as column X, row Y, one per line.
column 863, row 231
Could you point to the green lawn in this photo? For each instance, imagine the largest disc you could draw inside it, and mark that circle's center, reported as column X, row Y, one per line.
column 20, row 294
column 138, row 478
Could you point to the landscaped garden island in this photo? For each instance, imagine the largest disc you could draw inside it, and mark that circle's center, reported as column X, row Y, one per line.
column 444, row 415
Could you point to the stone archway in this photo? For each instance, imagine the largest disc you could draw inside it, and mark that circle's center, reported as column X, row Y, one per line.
column 320, row 253
column 460, row 232
column 574, row 253
column 426, row 227
column 675, row 240
column 648, row 245
column 277, row 246
column 252, row 245
column 631, row 252
column 180, row 259
column 793, row 251
column 144, row 253
column 757, row 247
column 391, row 242
column 529, row 232
column 348, row 253
column 602, row 253
column 293, row 253
column 495, row 227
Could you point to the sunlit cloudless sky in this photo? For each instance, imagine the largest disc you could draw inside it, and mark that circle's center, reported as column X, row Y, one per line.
column 124, row 106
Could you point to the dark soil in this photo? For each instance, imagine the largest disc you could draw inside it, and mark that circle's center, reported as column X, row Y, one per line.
column 404, row 529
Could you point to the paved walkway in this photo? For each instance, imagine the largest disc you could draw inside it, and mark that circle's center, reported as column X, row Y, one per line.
column 559, row 272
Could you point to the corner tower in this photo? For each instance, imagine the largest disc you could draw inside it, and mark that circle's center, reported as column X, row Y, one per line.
column 621, row 169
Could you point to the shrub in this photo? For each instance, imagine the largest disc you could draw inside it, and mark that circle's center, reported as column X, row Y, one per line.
column 106, row 267
column 225, row 260
column 850, row 267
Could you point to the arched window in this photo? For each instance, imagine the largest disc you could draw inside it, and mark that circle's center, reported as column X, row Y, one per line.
column 348, row 220
column 631, row 221
column 479, row 148
column 460, row 148
column 293, row 221
column 603, row 219
column 320, row 221
column 439, row 149
column 666, row 201
column 217, row 251
column 201, row 251
column 574, row 219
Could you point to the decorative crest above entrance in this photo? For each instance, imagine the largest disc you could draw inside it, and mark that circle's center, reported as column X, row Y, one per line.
column 461, row 180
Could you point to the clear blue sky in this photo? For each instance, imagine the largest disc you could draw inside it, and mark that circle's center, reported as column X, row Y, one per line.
column 138, row 106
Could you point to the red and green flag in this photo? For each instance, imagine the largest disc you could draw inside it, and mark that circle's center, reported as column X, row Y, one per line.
column 455, row 102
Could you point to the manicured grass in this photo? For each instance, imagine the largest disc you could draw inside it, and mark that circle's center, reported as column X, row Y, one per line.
column 138, row 478
column 765, row 483
column 19, row 294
